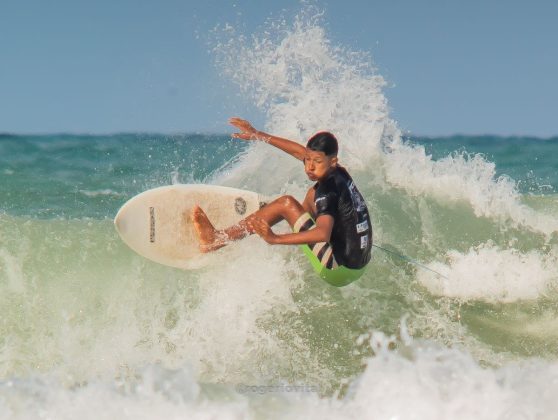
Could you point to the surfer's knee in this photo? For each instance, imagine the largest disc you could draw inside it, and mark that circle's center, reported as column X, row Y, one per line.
column 289, row 201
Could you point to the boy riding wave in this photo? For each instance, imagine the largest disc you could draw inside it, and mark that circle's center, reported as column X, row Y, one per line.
column 332, row 223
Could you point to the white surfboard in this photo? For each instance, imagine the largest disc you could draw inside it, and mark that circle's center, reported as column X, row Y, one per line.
column 156, row 223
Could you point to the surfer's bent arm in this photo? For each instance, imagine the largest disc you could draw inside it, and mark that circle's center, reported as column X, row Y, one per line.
column 320, row 233
column 250, row 133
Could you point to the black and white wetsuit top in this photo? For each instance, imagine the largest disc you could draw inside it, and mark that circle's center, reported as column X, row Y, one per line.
column 351, row 237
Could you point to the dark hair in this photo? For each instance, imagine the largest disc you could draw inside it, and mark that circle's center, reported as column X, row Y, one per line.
column 323, row 142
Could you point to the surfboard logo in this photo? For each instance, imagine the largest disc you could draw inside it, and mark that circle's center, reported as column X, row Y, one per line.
column 240, row 205
column 152, row 224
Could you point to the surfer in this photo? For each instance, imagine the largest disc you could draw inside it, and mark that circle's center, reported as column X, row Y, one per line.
column 332, row 223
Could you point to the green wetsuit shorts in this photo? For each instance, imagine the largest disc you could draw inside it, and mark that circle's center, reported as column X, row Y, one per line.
column 322, row 259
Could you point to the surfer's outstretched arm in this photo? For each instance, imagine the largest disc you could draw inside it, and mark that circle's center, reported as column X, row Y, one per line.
column 247, row 132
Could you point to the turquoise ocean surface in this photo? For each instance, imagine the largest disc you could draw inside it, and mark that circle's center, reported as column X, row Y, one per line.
column 89, row 329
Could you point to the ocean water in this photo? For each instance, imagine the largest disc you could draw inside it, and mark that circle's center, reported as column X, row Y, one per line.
column 89, row 329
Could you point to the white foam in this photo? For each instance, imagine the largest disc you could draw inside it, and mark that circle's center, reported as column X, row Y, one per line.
column 103, row 192
column 427, row 381
column 420, row 381
column 222, row 336
column 11, row 270
column 304, row 84
column 464, row 178
column 492, row 274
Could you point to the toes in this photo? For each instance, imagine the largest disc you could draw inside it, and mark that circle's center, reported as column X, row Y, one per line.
column 196, row 213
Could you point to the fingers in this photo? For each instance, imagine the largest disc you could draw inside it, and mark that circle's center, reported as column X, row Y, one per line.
column 253, row 225
column 259, row 226
column 247, row 132
column 238, row 122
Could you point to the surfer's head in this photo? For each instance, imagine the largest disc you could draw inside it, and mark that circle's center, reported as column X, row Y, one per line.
column 323, row 142
column 321, row 155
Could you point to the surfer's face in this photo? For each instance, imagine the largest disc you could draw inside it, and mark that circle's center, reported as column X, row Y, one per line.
column 317, row 165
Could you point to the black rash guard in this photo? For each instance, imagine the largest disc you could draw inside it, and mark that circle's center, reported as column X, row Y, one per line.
column 351, row 237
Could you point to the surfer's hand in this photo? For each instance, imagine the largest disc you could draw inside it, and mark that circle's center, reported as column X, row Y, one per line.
column 262, row 228
column 247, row 132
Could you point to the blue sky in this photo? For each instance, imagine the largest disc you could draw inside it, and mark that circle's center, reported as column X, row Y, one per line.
column 470, row 67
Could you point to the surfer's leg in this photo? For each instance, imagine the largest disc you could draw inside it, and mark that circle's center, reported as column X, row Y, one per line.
column 284, row 208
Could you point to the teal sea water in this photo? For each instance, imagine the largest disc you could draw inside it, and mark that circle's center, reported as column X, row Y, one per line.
column 73, row 176
column 89, row 329
column 68, row 176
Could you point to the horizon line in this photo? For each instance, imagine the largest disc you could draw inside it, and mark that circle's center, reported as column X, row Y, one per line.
column 405, row 135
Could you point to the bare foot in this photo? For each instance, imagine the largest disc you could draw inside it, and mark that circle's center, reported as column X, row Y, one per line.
column 209, row 237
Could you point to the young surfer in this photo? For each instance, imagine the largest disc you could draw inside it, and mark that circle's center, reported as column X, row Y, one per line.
column 332, row 224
